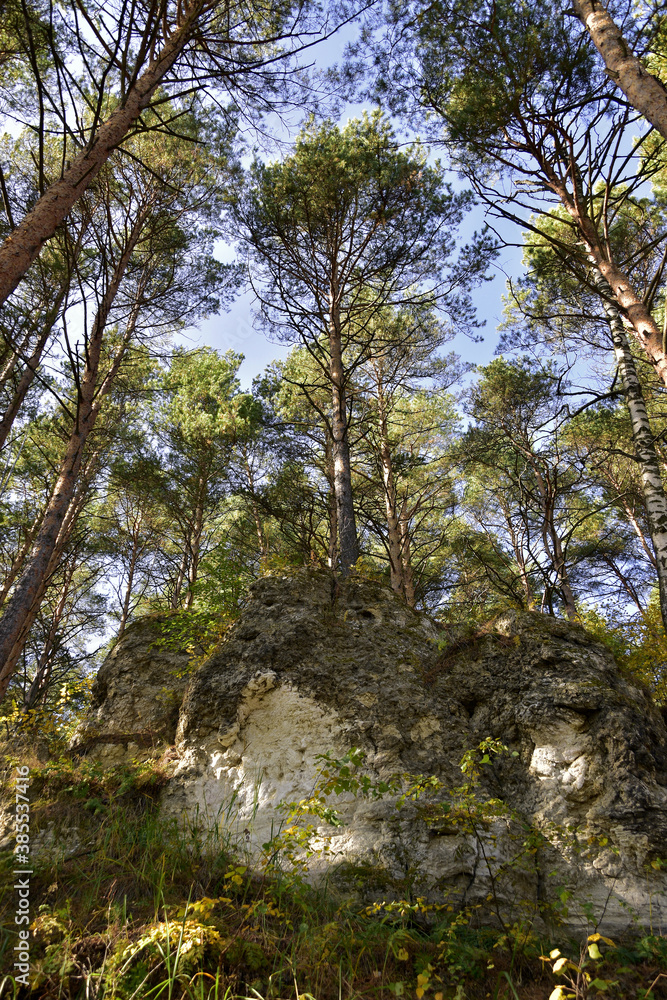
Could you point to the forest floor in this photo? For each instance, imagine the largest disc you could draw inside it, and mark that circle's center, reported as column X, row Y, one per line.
column 138, row 909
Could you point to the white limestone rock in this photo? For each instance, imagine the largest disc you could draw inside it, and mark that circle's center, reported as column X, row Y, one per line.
column 312, row 667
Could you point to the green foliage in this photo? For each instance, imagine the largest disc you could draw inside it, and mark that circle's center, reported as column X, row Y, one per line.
column 354, row 184
column 198, row 632
column 481, row 65
column 205, row 403
column 158, row 910
column 639, row 645
column 50, row 725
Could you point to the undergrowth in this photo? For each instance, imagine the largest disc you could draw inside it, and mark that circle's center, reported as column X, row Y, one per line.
column 128, row 905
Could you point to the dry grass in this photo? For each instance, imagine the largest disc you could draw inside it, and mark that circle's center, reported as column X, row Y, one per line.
column 143, row 909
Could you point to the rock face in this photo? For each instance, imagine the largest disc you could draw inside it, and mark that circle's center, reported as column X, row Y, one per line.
column 313, row 669
column 136, row 695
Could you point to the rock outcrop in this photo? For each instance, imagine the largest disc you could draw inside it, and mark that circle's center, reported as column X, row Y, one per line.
column 314, row 668
column 137, row 695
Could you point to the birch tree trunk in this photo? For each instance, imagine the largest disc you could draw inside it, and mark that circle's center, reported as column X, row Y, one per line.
column 647, row 456
column 643, row 90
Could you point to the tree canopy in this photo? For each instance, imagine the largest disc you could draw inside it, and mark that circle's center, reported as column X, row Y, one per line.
column 157, row 159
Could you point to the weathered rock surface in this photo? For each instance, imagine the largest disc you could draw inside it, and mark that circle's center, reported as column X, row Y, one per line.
column 310, row 670
column 136, row 695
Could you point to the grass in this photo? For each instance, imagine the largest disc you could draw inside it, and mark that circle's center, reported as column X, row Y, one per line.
column 142, row 908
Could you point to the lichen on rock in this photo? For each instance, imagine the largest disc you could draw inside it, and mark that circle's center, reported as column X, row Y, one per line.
column 136, row 695
column 313, row 667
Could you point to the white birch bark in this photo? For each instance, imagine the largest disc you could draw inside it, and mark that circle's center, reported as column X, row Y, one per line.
column 647, row 456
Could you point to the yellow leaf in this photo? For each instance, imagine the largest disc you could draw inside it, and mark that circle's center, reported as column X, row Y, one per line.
column 601, row 937
column 560, row 964
column 560, row 994
column 419, row 992
column 402, row 955
column 594, row 951
column 438, row 996
column 555, row 953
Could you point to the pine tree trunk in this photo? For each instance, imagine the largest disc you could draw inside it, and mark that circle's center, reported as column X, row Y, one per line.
column 40, row 682
column 14, row 355
column 626, row 583
column 631, row 305
column 520, row 557
column 22, row 247
column 195, row 546
column 391, row 508
column 180, row 579
column 551, row 540
column 393, row 527
column 647, row 456
column 20, row 557
column 22, row 607
column 333, row 512
column 125, row 614
column 644, row 92
column 259, row 530
column 563, row 577
column 31, row 364
column 645, row 544
column 347, row 525
column 406, row 556
column 73, row 511
column 621, row 289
